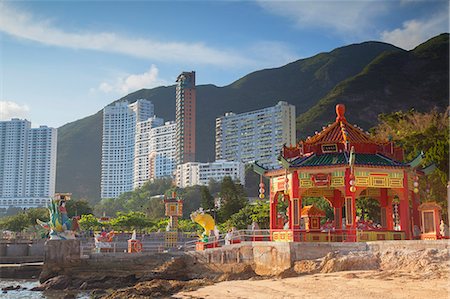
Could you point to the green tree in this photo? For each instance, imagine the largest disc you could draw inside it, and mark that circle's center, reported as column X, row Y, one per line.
column 130, row 221
column 15, row 223
column 416, row 132
column 154, row 208
column 369, row 209
column 89, row 222
column 258, row 212
column 78, row 207
column 233, row 198
column 207, row 200
column 33, row 214
column 214, row 187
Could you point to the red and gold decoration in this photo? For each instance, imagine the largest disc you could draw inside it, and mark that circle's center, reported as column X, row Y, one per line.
column 174, row 209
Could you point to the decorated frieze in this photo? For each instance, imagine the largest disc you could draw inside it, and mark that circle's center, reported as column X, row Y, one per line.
column 379, row 179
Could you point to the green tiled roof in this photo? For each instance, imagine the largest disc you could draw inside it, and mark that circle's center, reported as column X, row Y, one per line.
column 342, row 158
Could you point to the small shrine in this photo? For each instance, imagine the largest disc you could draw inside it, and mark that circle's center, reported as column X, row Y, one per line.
column 430, row 218
column 173, row 210
column 342, row 163
column 311, row 216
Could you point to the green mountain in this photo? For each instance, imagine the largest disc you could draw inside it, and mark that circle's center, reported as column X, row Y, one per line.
column 370, row 77
column 398, row 80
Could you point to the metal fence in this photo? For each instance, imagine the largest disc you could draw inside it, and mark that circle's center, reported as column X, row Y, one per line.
column 158, row 242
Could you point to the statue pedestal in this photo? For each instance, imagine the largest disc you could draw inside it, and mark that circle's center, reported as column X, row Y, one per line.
column 59, row 254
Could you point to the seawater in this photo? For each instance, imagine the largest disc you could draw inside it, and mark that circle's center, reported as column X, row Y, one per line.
column 27, row 294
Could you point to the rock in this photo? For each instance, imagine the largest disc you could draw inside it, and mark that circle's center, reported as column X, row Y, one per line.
column 57, row 283
column 37, row 289
column 84, row 286
column 98, row 292
column 350, row 262
column 11, row 288
column 69, row 296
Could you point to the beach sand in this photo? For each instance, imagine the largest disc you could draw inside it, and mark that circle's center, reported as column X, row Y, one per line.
column 347, row 284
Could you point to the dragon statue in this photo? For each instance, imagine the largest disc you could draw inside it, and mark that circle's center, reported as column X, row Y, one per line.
column 207, row 222
column 59, row 225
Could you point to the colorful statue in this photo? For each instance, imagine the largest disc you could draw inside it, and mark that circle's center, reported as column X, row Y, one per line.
column 59, row 225
column 208, row 224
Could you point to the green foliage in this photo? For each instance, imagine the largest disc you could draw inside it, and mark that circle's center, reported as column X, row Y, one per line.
column 416, row 132
column 233, row 198
column 24, row 219
column 214, row 187
column 258, row 212
column 89, row 222
column 191, row 199
column 187, row 225
column 207, row 201
column 130, row 221
column 16, row 223
column 137, row 200
column 369, row 209
column 78, row 207
column 154, row 208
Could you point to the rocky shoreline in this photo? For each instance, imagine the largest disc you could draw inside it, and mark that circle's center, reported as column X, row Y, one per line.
column 163, row 275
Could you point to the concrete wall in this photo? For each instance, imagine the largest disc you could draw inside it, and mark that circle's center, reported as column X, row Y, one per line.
column 21, row 252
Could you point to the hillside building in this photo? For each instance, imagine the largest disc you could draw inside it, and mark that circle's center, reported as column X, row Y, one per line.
column 27, row 164
column 256, row 135
column 196, row 173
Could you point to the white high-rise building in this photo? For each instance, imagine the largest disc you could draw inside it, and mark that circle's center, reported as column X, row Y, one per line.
column 257, row 135
column 196, row 173
column 27, row 164
column 142, row 150
column 163, row 151
column 118, row 145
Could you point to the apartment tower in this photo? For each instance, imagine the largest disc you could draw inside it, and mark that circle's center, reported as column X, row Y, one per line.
column 27, row 164
column 185, row 117
column 118, row 145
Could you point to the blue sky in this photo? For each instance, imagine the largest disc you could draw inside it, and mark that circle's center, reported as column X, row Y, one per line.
column 63, row 60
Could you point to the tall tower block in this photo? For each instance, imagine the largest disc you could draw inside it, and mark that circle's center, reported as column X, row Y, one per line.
column 185, row 117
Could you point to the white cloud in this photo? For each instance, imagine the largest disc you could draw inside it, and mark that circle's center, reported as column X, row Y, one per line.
column 344, row 17
column 10, row 110
column 415, row 32
column 132, row 82
column 24, row 25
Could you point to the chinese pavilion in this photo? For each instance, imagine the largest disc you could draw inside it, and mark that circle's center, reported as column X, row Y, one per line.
column 341, row 164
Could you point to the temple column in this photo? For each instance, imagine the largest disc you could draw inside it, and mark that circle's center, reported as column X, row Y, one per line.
column 405, row 224
column 386, row 210
column 350, row 202
column 337, row 206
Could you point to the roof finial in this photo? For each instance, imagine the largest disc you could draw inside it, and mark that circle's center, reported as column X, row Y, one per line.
column 340, row 111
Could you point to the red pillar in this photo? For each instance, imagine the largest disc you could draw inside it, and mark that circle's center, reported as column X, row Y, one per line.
column 404, row 208
column 352, row 195
column 415, row 207
column 338, row 202
column 386, row 206
column 294, row 194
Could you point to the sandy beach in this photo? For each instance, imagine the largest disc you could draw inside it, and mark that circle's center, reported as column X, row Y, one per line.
column 347, row 284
